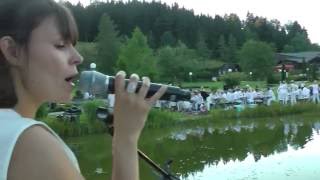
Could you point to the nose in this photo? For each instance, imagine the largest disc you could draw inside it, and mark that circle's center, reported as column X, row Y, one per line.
column 76, row 58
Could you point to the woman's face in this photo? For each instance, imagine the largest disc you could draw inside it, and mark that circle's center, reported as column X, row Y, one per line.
column 51, row 63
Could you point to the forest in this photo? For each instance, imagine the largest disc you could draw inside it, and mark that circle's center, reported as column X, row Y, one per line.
column 169, row 35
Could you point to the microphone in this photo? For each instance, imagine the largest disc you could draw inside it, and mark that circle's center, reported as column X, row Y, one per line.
column 100, row 84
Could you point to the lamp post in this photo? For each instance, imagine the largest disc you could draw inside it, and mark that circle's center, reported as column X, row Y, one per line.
column 190, row 76
column 250, row 75
column 283, row 72
column 93, row 66
column 307, row 73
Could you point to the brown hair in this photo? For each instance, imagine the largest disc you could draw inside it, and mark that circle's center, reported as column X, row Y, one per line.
column 18, row 18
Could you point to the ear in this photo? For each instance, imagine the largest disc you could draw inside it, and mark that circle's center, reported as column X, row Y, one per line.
column 10, row 50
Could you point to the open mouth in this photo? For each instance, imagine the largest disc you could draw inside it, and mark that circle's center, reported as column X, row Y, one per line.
column 70, row 79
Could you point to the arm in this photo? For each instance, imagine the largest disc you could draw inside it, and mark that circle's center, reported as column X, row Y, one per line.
column 38, row 155
column 130, row 113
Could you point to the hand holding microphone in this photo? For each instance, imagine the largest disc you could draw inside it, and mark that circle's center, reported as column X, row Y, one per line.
column 100, row 84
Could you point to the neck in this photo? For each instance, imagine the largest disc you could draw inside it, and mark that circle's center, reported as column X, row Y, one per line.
column 27, row 110
column 27, row 105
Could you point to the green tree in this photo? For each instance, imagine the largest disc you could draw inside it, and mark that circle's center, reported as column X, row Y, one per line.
column 300, row 42
column 257, row 57
column 159, row 18
column 167, row 39
column 232, row 49
column 223, row 49
column 288, row 48
column 202, row 48
column 89, row 53
column 108, row 44
column 176, row 63
column 137, row 57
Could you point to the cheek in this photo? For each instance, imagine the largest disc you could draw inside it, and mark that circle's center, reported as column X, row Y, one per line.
column 45, row 74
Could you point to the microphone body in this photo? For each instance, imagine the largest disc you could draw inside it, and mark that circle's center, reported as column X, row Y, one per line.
column 100, row 84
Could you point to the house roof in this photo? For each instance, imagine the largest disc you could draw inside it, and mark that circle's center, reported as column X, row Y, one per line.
column 298, row 57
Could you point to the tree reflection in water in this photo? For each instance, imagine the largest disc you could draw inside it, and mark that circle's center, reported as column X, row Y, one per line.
column 194, row 148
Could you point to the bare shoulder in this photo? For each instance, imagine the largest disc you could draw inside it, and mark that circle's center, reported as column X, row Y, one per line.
column 39, row 155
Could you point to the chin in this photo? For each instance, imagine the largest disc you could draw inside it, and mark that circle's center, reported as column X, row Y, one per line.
column 62, row 99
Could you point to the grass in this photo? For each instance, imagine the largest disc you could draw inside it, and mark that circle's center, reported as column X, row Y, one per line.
column 158, row 118
column 210, row 85
column 219, row 84
column 74, row 129
column 275, row 110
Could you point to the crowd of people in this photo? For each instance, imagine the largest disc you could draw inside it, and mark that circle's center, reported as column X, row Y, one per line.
column 286, row 93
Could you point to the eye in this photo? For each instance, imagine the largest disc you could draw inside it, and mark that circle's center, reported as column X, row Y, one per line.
column 60, row 46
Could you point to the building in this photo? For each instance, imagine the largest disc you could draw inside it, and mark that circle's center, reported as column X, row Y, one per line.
column 231, row 67
column 298, row 60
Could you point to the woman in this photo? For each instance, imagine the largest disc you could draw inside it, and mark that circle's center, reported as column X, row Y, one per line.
column 38, row 62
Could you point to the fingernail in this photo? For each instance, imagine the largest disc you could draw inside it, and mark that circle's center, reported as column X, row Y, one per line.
column 146, row 81
column 135, row 76
column 122, row 73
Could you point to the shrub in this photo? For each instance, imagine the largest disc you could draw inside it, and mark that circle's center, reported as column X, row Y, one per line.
column 162, row 118
column 89, row 115
column 233, row 79
column 274, row 78
column 42, row 111
column 89, row 109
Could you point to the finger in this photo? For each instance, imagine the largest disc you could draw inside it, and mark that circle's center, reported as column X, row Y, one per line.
column 158, row 94
column 144, row 87
column 133, row 83
column 119, row 82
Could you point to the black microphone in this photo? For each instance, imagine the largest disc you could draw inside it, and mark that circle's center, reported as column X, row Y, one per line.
column 97, row 83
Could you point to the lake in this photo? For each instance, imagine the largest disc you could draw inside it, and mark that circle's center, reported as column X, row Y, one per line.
column 283, row 148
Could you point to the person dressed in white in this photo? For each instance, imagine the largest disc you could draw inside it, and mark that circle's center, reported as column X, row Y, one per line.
column 194, row 101
column 230, row 96
column 86, row 96
column 315, row 92
column 293, row 93
column 283, row 93
column 299, row 92
column 209, row 100
column 111, row 100
column 250, row 96
column 305, row 94
column 199, row 100
column 270, row 96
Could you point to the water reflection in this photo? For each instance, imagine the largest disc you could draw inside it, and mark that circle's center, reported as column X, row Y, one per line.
column 238, row 141
column 255, row 149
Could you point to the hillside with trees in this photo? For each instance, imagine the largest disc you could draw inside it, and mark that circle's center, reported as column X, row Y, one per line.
column 175, row 40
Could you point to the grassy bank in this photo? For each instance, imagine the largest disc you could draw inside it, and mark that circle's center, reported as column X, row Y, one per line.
column 219, row 84
column 85, row 124
column 74, row 129
column 275, row 110
column 88, row 124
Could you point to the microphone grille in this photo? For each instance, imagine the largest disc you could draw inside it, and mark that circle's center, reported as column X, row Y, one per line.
column 93, row 82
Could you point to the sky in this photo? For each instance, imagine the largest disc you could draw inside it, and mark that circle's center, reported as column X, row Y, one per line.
column 303, row 11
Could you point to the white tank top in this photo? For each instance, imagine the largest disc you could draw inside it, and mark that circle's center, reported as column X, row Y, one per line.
column 12, row 125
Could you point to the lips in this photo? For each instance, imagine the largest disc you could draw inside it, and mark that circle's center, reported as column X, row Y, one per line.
column 71, row 78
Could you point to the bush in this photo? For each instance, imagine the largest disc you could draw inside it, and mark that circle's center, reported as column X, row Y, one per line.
column 274, row 78
column 42, row 111
column 89, row 109
column 233, row 79
column 74, row 129
column 162, row 118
